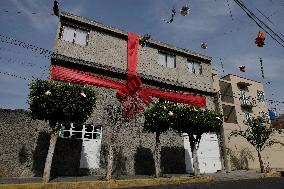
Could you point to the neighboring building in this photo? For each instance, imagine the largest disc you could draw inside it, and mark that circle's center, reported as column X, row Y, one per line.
column 240, row 99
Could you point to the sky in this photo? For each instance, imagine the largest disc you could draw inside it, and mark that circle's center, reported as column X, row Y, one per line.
column 222, row 24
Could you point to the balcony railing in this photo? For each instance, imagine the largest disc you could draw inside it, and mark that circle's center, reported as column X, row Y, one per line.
column 247, row 102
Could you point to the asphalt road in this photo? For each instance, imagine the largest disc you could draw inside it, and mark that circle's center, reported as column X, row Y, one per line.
column 267, row 183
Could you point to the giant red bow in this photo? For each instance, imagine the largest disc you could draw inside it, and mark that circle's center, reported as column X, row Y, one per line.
column 131, row 90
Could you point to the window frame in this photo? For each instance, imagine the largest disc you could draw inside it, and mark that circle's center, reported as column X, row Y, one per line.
column 167, row 54
column 74, row 28
column 193, row 63
column 260, row 96
column 97, row 130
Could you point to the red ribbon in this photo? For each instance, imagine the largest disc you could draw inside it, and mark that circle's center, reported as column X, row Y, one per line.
column 130, row 91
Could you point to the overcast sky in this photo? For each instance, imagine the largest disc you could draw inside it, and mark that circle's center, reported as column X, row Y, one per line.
column 230, row 37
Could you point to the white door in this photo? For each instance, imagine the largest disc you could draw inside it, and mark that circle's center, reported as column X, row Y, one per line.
column 90, row 154
column 208, row 154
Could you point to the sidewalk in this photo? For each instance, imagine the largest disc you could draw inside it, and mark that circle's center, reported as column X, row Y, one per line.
column 128, row 181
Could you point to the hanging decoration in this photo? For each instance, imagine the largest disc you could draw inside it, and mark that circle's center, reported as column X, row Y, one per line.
column 261, row 68
column 145, row 40
column 242, row 68
column 172, row 18
column 55, row 8
column 259, row 41
column 131, row 90
column 184, row 10
column 47, row 93
column 83, row 95
column 204, row 45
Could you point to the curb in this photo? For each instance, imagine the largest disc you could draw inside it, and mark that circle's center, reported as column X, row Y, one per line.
column 111, row 183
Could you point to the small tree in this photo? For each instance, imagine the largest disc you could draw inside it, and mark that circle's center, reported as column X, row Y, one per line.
column 195, row 123
column 258, row 134
column 115, row 119
column 56, row 103
column 159, row 119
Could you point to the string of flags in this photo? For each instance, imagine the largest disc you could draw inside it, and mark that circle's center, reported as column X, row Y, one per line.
column 261, row 68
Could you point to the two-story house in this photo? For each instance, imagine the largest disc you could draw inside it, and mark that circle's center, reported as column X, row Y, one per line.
column 92, row 53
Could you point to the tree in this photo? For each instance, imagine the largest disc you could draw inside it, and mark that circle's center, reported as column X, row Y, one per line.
column 158, row 119
column 115, row 119
column 195, row 122
column 258, row 134
column 56, row 103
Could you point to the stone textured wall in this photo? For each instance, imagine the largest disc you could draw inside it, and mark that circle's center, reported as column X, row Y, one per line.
column 134, row 147
column 19, row 137
column 24, row 144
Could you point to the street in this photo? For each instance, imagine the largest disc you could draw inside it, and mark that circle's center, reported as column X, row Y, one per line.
column 267, row 183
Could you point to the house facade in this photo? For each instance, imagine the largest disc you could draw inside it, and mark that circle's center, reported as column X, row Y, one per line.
column 240, row 99
column 89, row 52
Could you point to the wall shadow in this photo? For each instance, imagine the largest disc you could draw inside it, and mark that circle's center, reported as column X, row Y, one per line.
column 172, row 160
column 240, row 161
column 40, row 153
column 144, row 162
column 66, row 159
column 119, row 163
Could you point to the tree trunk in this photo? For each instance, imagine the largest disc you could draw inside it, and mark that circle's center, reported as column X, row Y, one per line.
column 157, row 156
column 109, row 162
column 48, row 161
column 195, row 161
column 260, row 162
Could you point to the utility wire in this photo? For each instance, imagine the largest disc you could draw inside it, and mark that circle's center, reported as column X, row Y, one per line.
column 254, row 18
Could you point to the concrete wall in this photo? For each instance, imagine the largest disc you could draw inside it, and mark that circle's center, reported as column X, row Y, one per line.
column 18, row 147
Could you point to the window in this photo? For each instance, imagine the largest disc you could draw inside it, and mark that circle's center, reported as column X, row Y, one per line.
column 80, row 131
column 194, row 67
column 260, row 96
column 167, row 60
column 243, row 97
column 73, row 35
column 247, row 112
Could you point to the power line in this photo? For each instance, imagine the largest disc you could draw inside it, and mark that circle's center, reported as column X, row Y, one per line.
column 257, row 20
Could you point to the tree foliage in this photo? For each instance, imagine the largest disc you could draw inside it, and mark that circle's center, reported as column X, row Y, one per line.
column 196, row 122
column 182, row 119
column 160, row 117
column 258, row 133
column 60, row 102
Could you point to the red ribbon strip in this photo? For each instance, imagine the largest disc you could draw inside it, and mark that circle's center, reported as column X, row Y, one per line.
column 131, row 90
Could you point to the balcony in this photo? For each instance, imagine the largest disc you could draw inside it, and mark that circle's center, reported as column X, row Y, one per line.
column 247, row 102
